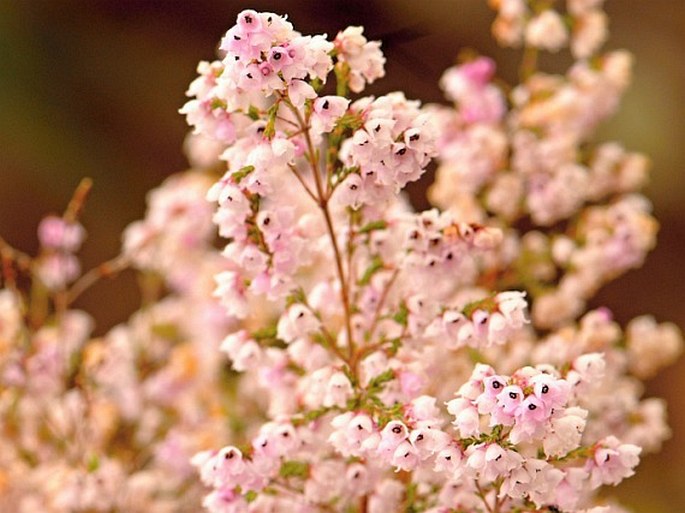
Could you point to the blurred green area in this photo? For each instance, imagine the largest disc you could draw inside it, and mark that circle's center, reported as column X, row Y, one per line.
column 92, row 89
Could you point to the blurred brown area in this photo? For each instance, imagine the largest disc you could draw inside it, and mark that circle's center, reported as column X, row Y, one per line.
column 92, row 89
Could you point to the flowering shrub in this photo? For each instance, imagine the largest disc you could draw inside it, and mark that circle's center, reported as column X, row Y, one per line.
column 382, row 359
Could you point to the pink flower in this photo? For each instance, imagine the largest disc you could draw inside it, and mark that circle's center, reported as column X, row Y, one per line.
column 530, row 420
column 467, row 420
column 509, row 402
column 553, row 392
column 612, row 462
column 428, row 441
column 327, row 110
column 449, row 460
column 56, row 233
column 297, row 322
column 338, row 390
column 491, row 461
column 405, row 457
column 231, row 292
column 394, row 433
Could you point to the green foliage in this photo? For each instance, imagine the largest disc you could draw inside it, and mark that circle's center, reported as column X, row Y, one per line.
column 296, row 296
column 294, row 468
column 375, row 266
column 377, row 384
column 402, row 315
column 380, row 224
column 488, row 304
column 270, row 128
column 253, row 113
column 242, row 173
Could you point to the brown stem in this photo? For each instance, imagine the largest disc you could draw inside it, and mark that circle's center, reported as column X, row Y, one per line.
column 9, row 277
column 304, row 184
column 78, row 200
column 104, row 270
column 381, row 302
column 344, row 292
column 363, row 504
column 529, row 63
column 481, row 494
column 323, row 205
column 21, row 259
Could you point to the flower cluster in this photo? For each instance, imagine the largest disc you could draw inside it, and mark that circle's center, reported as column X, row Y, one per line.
column 308, row 341
column 110, row 423
column 367, row 326
column 60, row 238
column 536, row 162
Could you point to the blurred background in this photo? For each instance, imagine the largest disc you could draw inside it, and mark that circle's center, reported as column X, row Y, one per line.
column 93, row 88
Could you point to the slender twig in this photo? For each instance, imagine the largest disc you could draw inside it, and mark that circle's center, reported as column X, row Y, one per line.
column 381, row 302
column 20, row 258
column 78, row 200
column 350, row 253
column 9, row 277
column 304, row 184
column 323, row 205
column 281, row 118
column 344, row 293
column 529, row 63
column 368, row 349
column 481, row 494
column 363, row 503
column 104, row 270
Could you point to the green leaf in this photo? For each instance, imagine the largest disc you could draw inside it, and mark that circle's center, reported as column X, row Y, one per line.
column 253, row 113
column 310, row 416
column 317, row 84
column 217, row 103
column 270, row 128
column 376, row 384
column 93, row 463
column 294, row 468
column 475, row 355
column 488, row 304
column 264, row 333
column 395, row 345
column 402, row 315
column 342, row 76
column 242, row 173
column 296, row 296
column 374, row 225
column 349, row 375
column 375, row 266
column 167, row 331
column 350, row 121
column 319, row 338
column 255, row 201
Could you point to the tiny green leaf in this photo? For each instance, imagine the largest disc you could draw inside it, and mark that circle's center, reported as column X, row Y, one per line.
column 296, row 296
column 375, row 266
column 294, row 468
column 253, row 113
column 380, row 224
column 242, row 173
column 402, row 315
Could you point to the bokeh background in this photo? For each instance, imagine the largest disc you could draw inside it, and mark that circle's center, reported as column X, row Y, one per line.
column 92, row 88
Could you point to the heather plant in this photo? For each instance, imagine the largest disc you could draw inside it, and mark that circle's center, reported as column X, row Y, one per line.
column 337, row 350
column 109, row 424
column 397, row 367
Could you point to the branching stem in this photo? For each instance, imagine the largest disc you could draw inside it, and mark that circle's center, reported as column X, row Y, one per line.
column 104, row 270
column 322, row 200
